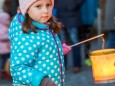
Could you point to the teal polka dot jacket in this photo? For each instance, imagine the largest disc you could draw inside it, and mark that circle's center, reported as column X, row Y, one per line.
column 35, row 55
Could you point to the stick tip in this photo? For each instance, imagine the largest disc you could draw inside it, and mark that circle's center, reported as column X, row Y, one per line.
column 102, row 34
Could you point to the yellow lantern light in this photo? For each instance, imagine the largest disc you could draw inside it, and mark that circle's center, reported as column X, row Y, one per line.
column 103, row 65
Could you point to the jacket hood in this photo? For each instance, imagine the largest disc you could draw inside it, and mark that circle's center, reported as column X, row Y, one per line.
column 15, row 28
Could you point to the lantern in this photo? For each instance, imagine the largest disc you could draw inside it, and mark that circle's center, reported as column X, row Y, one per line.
column 103, row 65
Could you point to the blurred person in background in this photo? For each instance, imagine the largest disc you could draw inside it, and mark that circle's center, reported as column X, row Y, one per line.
column 4, row 41
column 14, row 5
column 10, row 6
column 1, row 3
column 7, row 7
column 88, row 17
column 68, row 12
column 109, row 24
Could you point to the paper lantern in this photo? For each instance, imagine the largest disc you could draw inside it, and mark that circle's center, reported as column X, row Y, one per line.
column 103, row 65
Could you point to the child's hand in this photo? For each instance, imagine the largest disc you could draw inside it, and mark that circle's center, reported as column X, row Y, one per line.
column 66, row 48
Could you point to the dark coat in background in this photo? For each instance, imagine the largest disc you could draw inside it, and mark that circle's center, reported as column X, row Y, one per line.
column 14, row 5
column 89, row 11
column 68, row 12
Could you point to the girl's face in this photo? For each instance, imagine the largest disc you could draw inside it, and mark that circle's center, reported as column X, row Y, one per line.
column 41, row 11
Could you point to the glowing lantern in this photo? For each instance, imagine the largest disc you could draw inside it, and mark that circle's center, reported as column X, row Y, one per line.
column 103, row 65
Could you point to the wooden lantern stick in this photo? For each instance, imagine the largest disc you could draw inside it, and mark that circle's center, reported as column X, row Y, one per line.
column 87, row 40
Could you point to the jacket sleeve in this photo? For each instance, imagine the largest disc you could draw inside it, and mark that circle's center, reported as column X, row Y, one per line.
column 24, row 52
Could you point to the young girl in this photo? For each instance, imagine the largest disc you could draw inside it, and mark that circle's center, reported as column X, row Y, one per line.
column 36, row 51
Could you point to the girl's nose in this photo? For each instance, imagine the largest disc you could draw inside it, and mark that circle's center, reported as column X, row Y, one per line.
column 45, row 10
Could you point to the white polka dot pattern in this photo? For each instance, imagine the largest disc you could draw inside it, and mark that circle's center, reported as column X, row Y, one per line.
column 34, row 54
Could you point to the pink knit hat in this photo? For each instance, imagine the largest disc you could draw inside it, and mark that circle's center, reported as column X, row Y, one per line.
column 25, row 4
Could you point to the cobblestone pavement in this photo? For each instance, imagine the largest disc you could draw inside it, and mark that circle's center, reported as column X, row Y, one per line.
column 84, row 78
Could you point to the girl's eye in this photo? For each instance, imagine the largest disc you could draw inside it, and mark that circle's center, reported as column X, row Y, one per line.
column 48, row 5
column 38, row 6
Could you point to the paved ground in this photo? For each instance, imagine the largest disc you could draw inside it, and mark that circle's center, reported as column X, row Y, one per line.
column 84, row 78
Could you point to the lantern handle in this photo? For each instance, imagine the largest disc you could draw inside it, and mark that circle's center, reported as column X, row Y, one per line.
column 87, row 40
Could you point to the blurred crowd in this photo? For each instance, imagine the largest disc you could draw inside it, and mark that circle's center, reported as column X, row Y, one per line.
column 78, row 18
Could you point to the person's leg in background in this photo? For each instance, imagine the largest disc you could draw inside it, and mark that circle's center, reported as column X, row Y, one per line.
column 4, row 73
column 85, row 33
column 74, row 37
column 4, row 59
